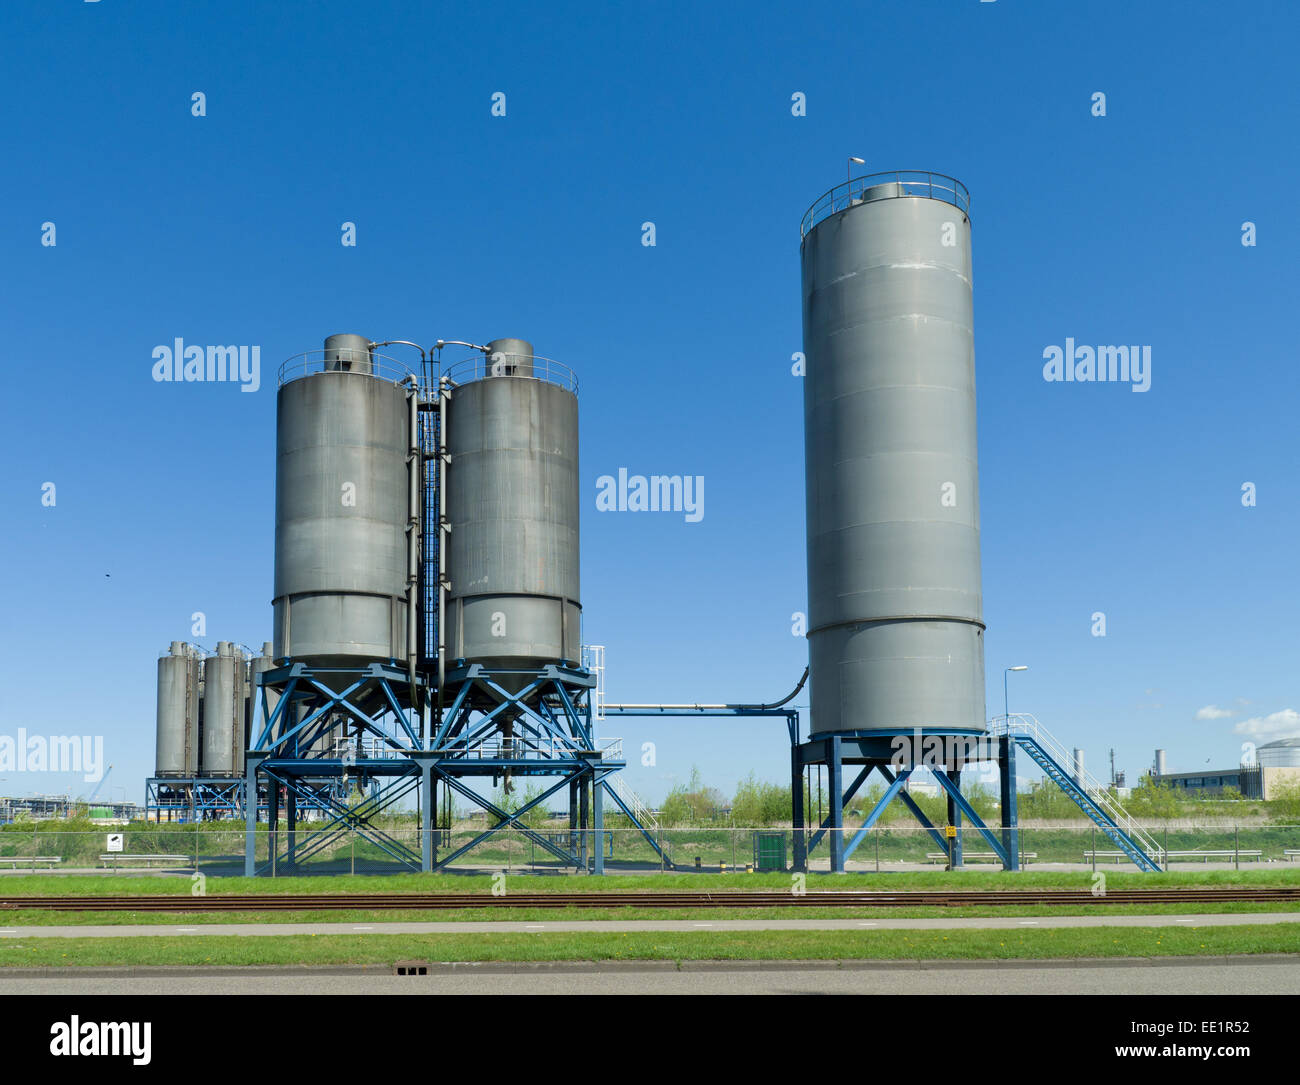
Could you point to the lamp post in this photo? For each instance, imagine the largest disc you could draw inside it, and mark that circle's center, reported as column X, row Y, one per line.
column 1006, row 711
column 848, row 168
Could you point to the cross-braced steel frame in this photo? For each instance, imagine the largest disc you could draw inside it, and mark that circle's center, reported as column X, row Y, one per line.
column 896, row 757
column 492, row 724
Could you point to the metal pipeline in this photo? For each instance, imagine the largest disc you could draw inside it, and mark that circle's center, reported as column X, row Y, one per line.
column 444, row 529
column 413, row 534
column 709, row 707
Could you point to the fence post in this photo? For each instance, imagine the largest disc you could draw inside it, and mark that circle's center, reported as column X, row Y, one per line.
column 354, row 851
column 1166, row 847
column 1094, row 849
column 876, row 831
column 1236, row 847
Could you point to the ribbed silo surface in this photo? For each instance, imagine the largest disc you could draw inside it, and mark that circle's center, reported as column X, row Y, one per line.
column 178, row 712
column 512, row 502
column 895, row 623
column 341, row 509
column 224, row 682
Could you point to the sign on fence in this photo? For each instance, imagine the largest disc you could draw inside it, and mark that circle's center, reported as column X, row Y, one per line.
column 115, row 841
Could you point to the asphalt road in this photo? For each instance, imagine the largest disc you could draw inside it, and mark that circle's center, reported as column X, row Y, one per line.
column 1165, row 976
column 1097, row 919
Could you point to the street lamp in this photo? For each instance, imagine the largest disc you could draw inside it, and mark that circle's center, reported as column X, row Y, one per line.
column 848, row 168
column 1006, row 712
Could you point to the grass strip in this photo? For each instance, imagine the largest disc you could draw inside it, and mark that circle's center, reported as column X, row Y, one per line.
column 180, row 885
column 42, row 918
column 381, row 950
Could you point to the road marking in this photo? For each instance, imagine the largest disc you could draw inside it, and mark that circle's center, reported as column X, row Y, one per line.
column 702, row 924
column 866, row 924
column 1029, row 923
column 363, row 928
column 8, row 932
column 1184, row 921
column 185, row 928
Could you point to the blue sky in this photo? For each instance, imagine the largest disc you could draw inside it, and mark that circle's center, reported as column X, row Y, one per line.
column 226, row 229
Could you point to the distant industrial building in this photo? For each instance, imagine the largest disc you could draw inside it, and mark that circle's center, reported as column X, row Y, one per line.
column 1276, row 765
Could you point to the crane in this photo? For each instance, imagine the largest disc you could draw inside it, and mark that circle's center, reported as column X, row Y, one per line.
column 100, row 784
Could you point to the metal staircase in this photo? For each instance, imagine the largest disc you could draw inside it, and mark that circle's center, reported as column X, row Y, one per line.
column 1089, row 794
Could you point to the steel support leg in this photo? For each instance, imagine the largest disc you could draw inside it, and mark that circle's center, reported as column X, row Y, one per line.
column 598, row 826
column 273, row 821
column 835, row 787
column 573, row 818
column 428, row 791
column 291, row 837
column 1010, row 816
column 954, row 819
column 251, row 765
column 799, row 846
column 584, row 807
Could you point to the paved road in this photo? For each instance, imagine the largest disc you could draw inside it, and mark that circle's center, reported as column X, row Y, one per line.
column 1098, row 919
column 1166, row 976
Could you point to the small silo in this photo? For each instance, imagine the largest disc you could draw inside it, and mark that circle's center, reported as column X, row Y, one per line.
column 342, row 504
column 257, row 666
column 894, row 609
column 512, row 503
column 225, row 677
column 178, row 712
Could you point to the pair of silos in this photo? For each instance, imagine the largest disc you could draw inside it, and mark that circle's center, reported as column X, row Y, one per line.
column 203, row 710
column 894, row 606
column 344, row 510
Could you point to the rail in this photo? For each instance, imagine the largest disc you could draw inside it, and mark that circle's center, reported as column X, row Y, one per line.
column 311, row 362
column 524, row 366
column 1025, row 724
column 935, row 186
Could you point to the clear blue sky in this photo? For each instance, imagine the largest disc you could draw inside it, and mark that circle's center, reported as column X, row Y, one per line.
column 225, row 229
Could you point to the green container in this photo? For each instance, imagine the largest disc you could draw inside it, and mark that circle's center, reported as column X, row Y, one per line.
column 769, row 852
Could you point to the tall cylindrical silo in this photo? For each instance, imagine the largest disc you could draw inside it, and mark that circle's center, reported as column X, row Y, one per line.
column 341, row 510
column 894, row 610
column 178, row 712
column 224, row 678
column 257, row 666
column 512, row 503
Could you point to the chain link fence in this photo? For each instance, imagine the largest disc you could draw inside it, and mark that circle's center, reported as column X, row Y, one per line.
column 218, row 848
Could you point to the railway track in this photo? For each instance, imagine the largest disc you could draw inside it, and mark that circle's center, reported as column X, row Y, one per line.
column 648, row 899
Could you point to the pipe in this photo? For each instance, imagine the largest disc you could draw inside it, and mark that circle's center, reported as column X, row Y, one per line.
column 413, row 532
column 703, row 707
column 444, row 528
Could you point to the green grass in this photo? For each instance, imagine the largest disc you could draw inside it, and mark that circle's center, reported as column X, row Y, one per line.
column 128, row 885
column 383, row 950
column 42, row 918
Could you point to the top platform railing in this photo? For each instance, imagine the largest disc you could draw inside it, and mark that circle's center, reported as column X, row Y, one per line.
column 934, row 186
column 311, row 362
column 500, row 364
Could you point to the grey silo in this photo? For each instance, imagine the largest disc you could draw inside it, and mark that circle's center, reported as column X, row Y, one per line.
column 225, row 676
column 894, row 608
column 177, row 737
column 257, row 666
column 342, row 493
column 512, row 503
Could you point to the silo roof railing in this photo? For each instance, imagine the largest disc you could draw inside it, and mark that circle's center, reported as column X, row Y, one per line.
column 526, row 366
column 311, row 362
column 935, row 186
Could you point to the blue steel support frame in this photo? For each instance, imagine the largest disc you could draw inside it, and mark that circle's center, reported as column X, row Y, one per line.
column 880, row 750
